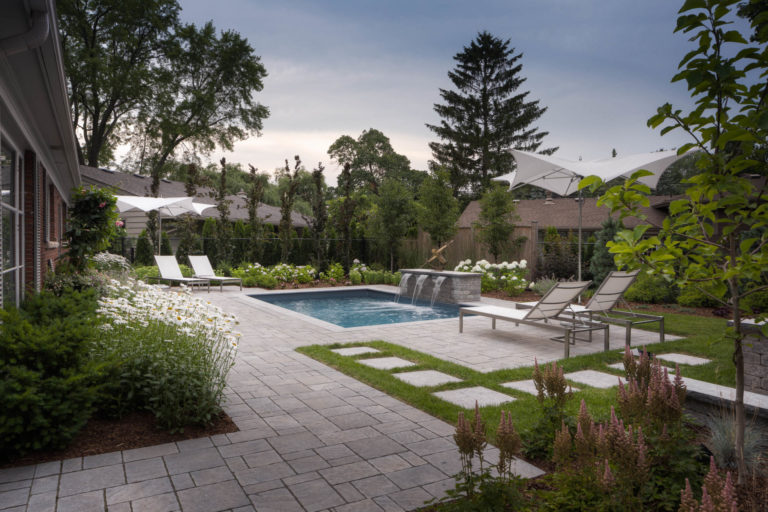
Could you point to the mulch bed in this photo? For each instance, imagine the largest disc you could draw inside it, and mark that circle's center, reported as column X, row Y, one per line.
column 135, row 430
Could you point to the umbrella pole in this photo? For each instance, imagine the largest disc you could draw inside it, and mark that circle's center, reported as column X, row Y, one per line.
column 580, row 202
column 160, row 233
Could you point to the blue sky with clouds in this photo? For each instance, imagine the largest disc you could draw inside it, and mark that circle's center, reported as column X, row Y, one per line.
column 337, row 67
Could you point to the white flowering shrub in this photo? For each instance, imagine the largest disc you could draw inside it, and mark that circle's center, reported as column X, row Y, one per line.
column 507, row 276
column 108, row 262
column 254, row 274
column 165, row 352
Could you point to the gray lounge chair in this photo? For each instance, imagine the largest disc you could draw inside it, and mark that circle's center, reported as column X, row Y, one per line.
column 202, row 268
column 607, row 296
column 549, row 308
column 170, row 272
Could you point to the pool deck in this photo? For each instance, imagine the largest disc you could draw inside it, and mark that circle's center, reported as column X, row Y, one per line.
column 310, row 437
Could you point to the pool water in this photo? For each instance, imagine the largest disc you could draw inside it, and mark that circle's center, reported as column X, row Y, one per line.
column 356, row 308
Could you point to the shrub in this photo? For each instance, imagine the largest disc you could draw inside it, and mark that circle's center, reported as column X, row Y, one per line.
column 170, row 354
column 506, row 276
column 651, row 289
column 144, row 253
column 756, row 302
column 692, row 297
column 165, row 244
column 355, row 277
column 46, row 385
column 91, row 224
column 112, row 264
column 553, row 395
column 64, row 281
column 544, row 284
column 335, row 271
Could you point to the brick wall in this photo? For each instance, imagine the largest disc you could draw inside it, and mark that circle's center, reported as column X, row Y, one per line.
column 38, row 205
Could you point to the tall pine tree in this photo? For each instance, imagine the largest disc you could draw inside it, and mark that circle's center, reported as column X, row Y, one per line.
column 484, row 117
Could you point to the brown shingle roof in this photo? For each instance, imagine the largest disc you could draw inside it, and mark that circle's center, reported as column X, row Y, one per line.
column 138, row 185
column 563, row 213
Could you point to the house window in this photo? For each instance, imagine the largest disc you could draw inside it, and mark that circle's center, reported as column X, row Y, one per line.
column 12, row 267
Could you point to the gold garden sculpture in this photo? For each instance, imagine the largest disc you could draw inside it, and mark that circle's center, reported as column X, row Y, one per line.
column 437, row 261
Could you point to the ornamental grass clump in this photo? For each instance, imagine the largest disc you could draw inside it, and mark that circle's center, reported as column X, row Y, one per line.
column 169, row 353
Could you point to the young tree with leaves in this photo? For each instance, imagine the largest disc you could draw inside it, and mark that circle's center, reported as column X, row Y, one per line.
column 484, row 116
column 317, row 223
column 392, row 216
column 223, row 226
column 716, row 238
column 496, row 225
column 189, row 243
column 285, row 228
column 437, row 209
column 346, row 215
column 256, row 227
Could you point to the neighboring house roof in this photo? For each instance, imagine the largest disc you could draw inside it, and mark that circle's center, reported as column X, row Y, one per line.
column 34, row 105
column 139, row 185
column 563, row 213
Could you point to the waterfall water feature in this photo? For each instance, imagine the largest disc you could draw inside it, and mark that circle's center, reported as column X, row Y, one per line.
column 417, row 288
column 436, row 289
column 403, row 288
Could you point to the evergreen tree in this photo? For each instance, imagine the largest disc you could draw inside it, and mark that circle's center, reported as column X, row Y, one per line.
column 319, row 219
column 346, row 216
column 485, row 116
column 223, row 228
column 602, row 261
column 189, row 243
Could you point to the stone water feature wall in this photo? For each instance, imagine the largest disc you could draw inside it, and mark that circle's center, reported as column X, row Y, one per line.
column 755, row 348
column 454, row 287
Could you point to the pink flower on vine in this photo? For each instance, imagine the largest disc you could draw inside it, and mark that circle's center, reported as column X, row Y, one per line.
column 102, row 204
column 119, row 223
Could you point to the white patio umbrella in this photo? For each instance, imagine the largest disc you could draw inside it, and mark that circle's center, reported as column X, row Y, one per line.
column 562, row 176
column 165, row 206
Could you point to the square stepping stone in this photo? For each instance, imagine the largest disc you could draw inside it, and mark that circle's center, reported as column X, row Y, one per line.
column 526, row 386
column 683, row 359
column 594, row 378
column 426, row 378
column 386, row 363
column 617, row 366
column 354, row 351
column 466, row 397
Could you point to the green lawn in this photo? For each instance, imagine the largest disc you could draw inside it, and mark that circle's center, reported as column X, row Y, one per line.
column 704, row 337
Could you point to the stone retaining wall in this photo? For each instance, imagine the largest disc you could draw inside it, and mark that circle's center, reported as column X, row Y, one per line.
column 756, row 363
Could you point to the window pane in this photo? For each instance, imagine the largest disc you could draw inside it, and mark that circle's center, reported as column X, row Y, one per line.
column 8, row 175
column 9, row 287
column 9, row 252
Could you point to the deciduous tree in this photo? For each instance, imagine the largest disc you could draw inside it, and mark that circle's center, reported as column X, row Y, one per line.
column 392, row 216
column 716, row 238
column 371, row 159
column 437, row 209
column 496, row 225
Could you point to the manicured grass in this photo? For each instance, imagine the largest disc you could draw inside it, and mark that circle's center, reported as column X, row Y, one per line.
column 705, row 337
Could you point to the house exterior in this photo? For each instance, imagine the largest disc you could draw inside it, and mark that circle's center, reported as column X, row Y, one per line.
column 38, row 152
column 128, row 184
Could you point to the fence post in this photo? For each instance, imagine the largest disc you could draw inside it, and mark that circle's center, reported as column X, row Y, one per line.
column 532, row 250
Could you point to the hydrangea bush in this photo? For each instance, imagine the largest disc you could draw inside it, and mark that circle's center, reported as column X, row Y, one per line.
column 506, row 276
column 170, row 353
column 254, row 274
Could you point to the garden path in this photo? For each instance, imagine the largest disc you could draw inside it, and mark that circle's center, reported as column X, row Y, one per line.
column 310, row 437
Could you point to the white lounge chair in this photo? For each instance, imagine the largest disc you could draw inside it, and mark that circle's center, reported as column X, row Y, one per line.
column 202, row 268
column 607, row 296
column 170, row 271
column 550, row 307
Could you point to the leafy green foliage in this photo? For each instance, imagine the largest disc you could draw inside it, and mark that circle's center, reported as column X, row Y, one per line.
column 47, row 387
column 355, row 277
column 496, row 224
column 285, row 228
column 558, row 257
column 372, row 160
column 392, row 216
column 437, row 209
column 601, row 263
column 144, row 253
column 484, row 116
column 91, row 226
column 694, row 297
column 334, row 272
column 651, row 289
column 715, row 236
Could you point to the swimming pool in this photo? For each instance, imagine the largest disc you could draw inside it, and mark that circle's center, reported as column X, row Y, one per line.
column 356, row 308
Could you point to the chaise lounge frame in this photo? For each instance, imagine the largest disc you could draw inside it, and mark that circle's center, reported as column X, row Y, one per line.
column 171, row 272
column 203, row 270
column 549, row 308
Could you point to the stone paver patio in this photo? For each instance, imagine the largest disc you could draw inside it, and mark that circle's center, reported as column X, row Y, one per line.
column 310, row 437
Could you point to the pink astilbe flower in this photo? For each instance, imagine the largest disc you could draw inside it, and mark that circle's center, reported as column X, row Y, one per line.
column 607, row 480
column 509, row 443
column 563, row 446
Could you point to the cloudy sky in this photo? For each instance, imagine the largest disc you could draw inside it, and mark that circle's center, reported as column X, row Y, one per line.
column 342, row 66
